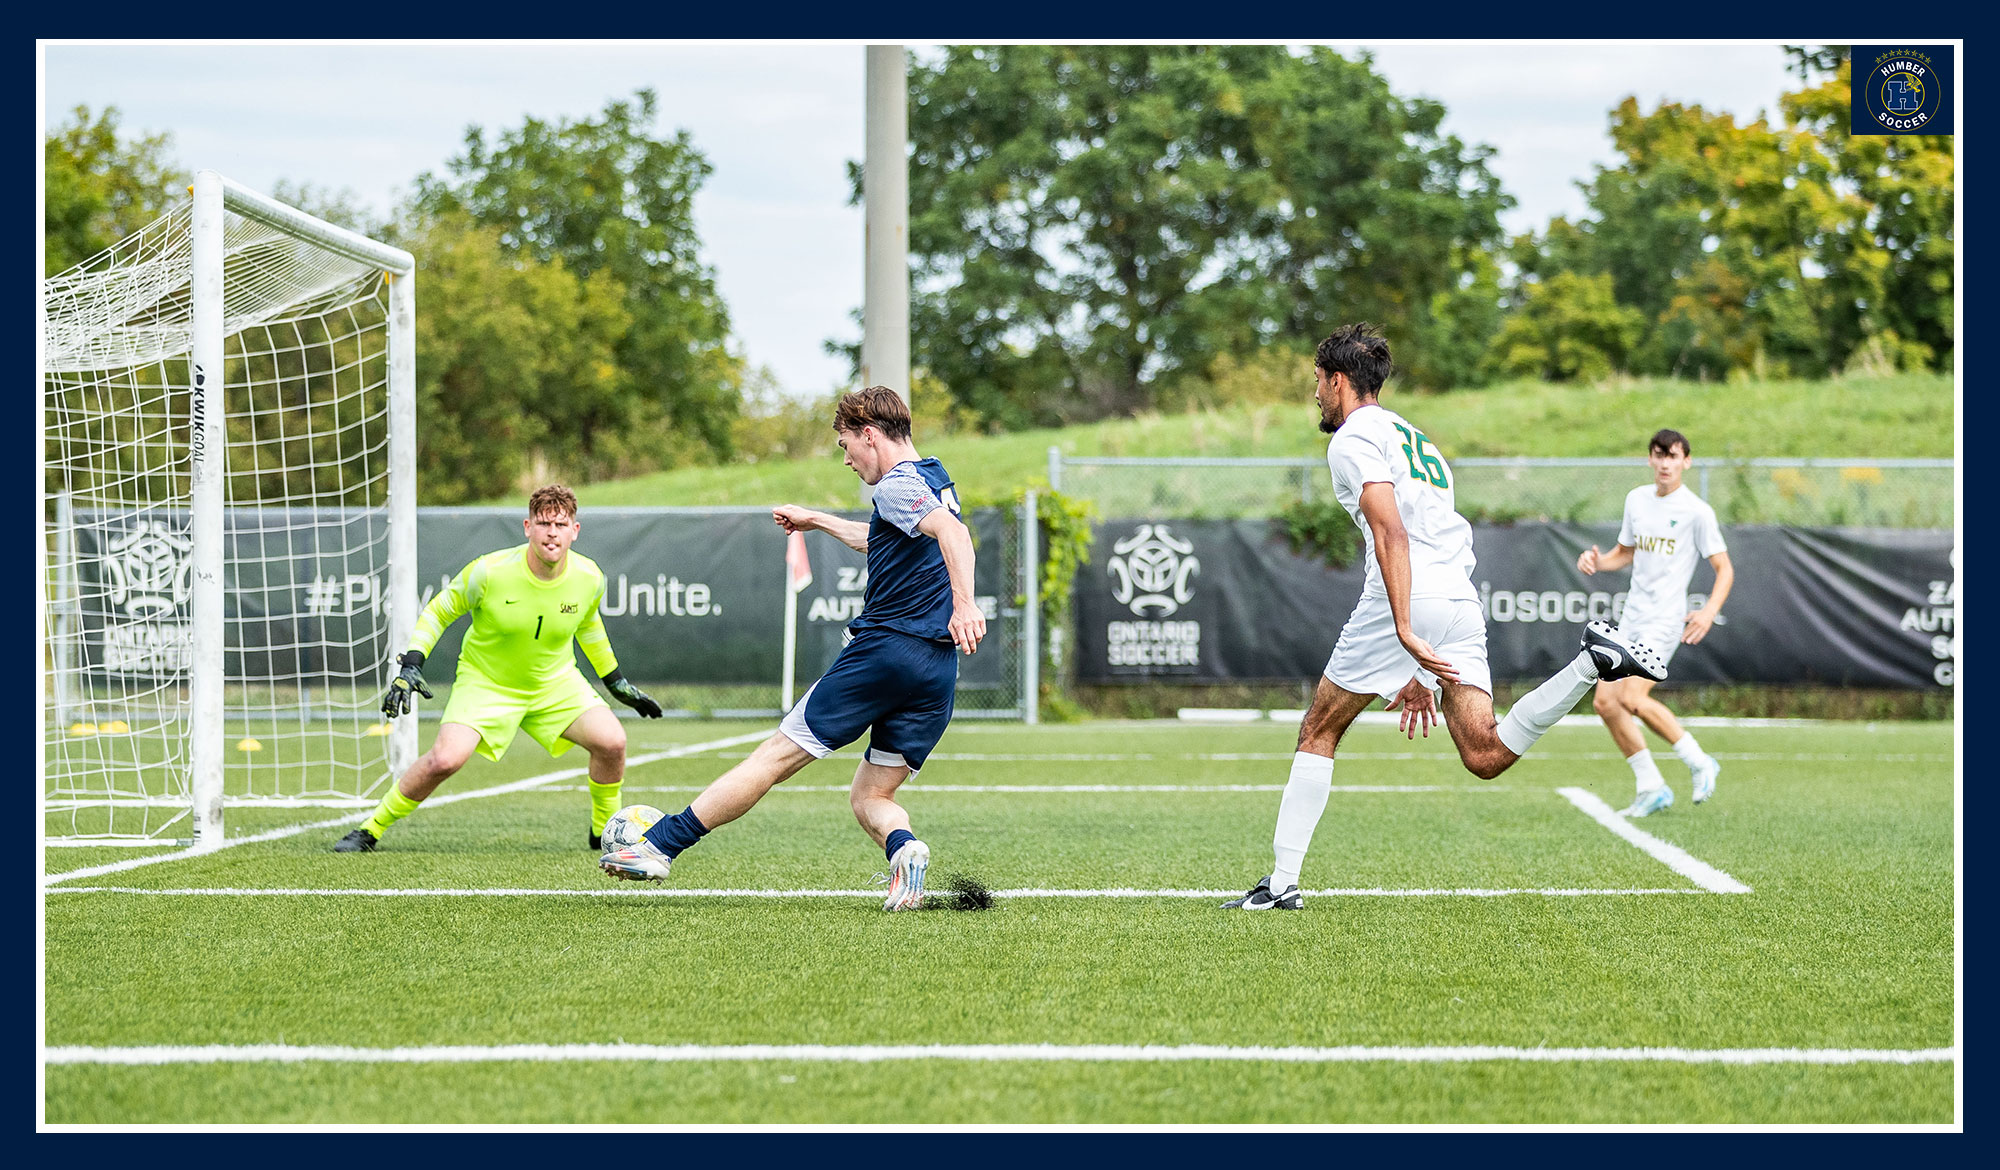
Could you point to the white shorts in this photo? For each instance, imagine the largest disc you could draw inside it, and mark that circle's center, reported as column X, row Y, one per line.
column 1370, row 659
column 1661, row 635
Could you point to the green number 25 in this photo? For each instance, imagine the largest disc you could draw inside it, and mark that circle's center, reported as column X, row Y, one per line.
column 1432, row 469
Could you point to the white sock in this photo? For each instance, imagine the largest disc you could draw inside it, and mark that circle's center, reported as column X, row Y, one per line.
column 1306, row 790
column 1689, row 751
column 1537, row 711
column 1646, row 771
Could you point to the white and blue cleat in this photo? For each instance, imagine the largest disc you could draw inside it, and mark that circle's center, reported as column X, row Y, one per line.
column 1704, row 779
column 643, row 862
column 906, row 876
column 1649, row 802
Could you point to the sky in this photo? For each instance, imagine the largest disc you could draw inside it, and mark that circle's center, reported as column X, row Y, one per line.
column 779, row 122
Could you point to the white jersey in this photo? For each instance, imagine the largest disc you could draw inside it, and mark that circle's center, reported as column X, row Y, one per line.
column 1377, row 445
column 1669, row 534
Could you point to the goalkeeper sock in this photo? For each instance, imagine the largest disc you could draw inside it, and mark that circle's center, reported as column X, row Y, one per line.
column 1538, row 710
column 603, row 803
column 675, row 833
column 394, row 807
column 1306, row 791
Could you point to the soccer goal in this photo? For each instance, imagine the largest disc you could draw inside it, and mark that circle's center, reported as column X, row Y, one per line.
column 229, row 520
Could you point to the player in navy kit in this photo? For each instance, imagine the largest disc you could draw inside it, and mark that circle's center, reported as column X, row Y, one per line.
column 893, row 681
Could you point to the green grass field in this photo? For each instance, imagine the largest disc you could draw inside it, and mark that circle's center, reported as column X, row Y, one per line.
column 1842, row 832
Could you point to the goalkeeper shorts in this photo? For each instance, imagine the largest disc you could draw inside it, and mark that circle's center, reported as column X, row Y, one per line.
column 497, row 712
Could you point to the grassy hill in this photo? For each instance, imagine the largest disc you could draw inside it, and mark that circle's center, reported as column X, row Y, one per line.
column 1898, row 416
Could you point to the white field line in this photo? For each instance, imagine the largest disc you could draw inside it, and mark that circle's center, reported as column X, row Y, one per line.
column 1443, row 754
column 1673, row 857
column 50, row 880
column 652, row 891
column 908, row 788
column 1239, row 715
column 873, row 1053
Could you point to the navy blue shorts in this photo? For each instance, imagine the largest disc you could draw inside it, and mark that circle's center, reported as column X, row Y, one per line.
column 896, row 686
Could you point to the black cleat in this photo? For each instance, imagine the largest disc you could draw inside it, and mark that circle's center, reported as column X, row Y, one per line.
column 596, row 842
column 358, row 841
column 1260, row 897
column 1617, row 655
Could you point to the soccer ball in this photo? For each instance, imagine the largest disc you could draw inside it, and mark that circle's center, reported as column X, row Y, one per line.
column 629, row 824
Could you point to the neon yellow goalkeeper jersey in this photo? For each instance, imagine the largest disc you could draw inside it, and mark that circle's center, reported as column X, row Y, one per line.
column 521, row 625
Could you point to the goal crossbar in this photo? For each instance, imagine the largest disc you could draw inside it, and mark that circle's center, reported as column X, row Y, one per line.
column 290, row 220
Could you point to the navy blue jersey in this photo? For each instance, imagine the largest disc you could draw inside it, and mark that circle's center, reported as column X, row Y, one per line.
column 909, row 589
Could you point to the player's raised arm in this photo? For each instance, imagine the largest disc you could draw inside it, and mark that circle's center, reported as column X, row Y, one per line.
column 968, row 624
column 1392, row 553
column 452, row 602
column 792, row 518
column 1593, row 561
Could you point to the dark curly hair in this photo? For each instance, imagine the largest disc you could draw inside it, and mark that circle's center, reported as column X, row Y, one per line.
column 1360, row 352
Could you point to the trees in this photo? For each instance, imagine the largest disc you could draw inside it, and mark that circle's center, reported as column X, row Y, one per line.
column 519, row 370
column 100, row 188
column 1783, row 249
column 1903, row 250
column 612, row 203
column 1088, row 224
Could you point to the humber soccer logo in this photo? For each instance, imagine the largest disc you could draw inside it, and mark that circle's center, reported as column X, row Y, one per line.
column 1900, row 89
column 1151, row 570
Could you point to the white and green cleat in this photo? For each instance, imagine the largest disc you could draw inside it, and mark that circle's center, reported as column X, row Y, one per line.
column 1649, row 802
column 1704, row 779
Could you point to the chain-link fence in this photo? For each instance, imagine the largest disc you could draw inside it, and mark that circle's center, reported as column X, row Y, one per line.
column 1874, row 493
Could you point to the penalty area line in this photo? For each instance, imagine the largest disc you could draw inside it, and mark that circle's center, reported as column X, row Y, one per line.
column 49, row 882
column 1673, row 857
column 872, row 1053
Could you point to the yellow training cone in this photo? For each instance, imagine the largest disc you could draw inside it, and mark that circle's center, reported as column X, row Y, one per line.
column 249, row 745
column 115, row 727
column 379, row 729
column 83, row 729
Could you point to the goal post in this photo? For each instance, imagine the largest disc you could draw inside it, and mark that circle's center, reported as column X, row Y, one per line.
column 229, row 464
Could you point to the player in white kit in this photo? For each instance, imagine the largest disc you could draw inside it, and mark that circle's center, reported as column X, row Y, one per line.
column 1667, row 528
column 1418, row 622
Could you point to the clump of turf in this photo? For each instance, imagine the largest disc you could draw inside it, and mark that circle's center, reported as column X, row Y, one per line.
column 958, row 891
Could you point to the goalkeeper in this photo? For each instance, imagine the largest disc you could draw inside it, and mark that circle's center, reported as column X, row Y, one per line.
column 516, row 671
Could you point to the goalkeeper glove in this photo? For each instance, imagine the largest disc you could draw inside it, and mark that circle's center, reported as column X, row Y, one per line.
column 631, row 696
column 410, row 678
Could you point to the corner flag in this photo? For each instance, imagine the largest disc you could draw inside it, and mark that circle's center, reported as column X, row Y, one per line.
column 798, row 567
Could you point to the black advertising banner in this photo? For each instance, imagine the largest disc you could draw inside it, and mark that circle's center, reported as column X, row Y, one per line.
column 1227, row 601
column 699, row 596
column 303, row 597
column 692, row 597
column 689, row 597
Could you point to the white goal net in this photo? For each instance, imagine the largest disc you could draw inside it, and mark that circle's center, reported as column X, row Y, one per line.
column 229, row 520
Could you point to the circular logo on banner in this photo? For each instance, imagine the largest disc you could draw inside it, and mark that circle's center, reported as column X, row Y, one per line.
column 1900, row 90
column 1151, row 570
